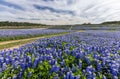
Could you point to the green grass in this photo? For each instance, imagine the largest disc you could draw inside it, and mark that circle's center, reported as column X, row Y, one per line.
column 2, row 39
column 24, row 41
column 12, row 44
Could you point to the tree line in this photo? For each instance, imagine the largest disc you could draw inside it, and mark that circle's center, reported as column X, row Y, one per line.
column 112, row 22
column 7, row 23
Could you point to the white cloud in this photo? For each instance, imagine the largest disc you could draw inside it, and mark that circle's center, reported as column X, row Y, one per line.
column 58, row 11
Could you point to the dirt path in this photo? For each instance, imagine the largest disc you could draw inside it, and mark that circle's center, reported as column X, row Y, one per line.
column 18, row 43
column 7, row 42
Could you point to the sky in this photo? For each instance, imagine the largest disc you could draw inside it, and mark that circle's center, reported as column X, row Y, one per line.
column 60, row 12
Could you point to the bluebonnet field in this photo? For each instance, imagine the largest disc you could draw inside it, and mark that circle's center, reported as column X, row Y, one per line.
column 80, row 55
column 20, row 32
column 13, row 34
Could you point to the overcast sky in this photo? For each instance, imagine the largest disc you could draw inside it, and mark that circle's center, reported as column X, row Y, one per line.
column 60, row 11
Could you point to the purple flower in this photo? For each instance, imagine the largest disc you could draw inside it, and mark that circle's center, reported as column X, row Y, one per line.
column 69, row 75
column 62, row 63
column 35, row 63
column 55, row 69
column 79, row 56
column 23, row 66
column 49, row 57
column 1, row 59
column 115, row 77
column 53, row 62
column 20, row 75
column 80, row 64
column 90, row 69
column 4, row 66
column 0, row 70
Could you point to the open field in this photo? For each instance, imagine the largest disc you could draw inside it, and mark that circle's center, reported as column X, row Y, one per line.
column 88, row 27
column 17, row 43
column 59, row 39
column 86, row 54
column 16, row 34
column 65, row 27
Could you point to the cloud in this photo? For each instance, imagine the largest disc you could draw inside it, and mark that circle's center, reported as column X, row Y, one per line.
column 60, row 11
column 43, row 8
column 10, row 5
